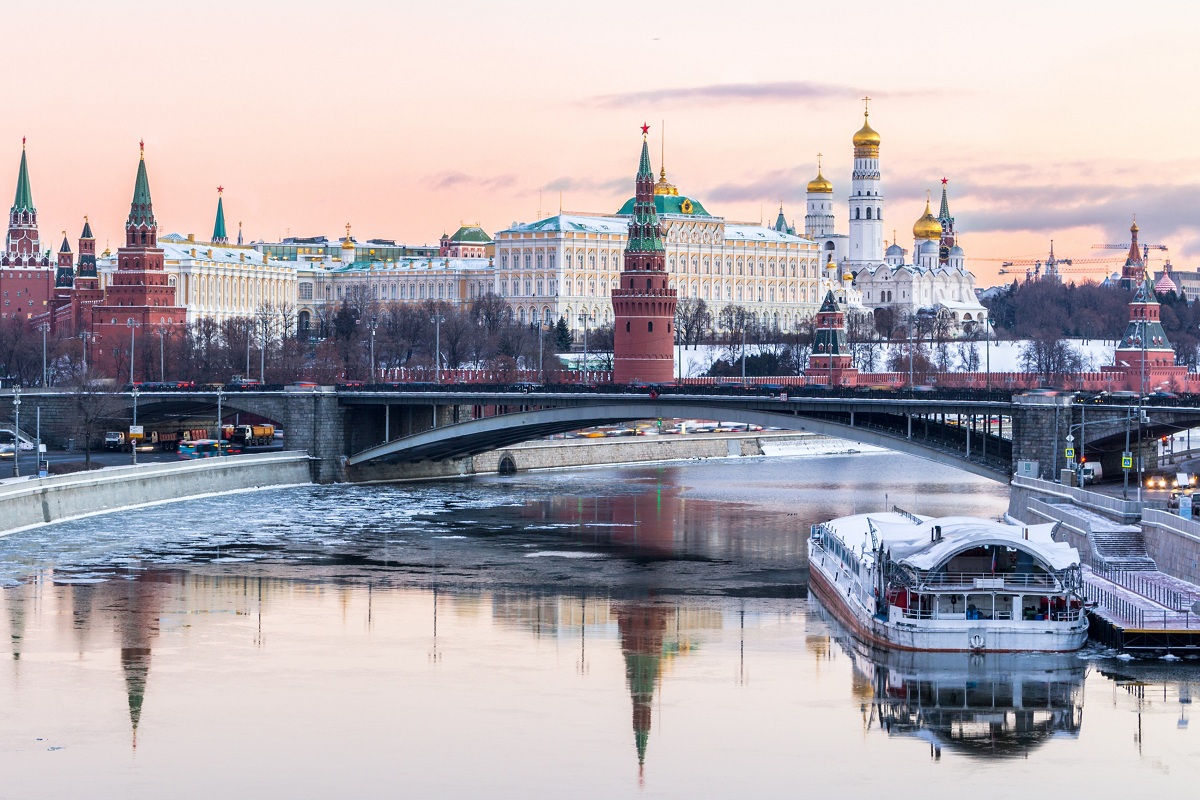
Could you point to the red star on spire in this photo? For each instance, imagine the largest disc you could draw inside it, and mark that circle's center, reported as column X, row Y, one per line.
column 645, row 129
column 944, row 181
column 220, row 189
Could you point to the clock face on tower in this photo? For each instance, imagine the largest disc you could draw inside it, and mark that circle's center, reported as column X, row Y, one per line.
column 944, row 253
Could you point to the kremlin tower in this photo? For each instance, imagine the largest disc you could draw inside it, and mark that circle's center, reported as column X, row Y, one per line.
column 947, row 242
column 1134, row 271
column 1145, row 356
column 830, row 356
column 139, row 294
column 219, row 235
column 26, row 275
column 643, row 306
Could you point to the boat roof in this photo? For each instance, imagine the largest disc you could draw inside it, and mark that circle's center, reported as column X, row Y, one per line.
column 909, row 538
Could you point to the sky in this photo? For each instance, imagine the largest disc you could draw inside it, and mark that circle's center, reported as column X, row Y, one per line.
column 1051, row 120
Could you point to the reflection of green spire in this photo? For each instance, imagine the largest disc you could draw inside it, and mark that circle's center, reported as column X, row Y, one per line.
column 24, row 198
column 135, row 663
column 219, row 236
column 641, row 671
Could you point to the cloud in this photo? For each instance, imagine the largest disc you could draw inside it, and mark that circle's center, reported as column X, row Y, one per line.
column 727, row 93
column 577, row 184
column 460, row 180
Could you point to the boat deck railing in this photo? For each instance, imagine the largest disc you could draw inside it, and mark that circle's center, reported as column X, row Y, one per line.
column 1065, row 615
column 968, row 581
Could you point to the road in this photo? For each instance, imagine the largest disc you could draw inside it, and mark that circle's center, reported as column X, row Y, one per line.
column 105, row 458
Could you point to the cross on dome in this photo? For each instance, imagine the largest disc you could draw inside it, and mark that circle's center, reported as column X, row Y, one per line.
column 866, row 106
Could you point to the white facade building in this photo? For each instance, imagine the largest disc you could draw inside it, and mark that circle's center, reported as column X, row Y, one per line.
column 566, row 265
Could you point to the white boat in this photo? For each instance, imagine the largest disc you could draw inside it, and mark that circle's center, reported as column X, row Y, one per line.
column 949, row 584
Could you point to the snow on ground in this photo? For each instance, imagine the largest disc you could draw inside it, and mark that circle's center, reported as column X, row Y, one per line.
column 1000, row 356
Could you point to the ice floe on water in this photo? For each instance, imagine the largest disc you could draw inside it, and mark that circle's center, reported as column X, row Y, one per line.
column 562, row 554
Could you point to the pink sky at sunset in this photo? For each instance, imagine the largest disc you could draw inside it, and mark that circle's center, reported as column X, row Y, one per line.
column 1051, row 120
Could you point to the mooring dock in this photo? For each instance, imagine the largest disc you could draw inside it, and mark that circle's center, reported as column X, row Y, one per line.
column 1143, row 611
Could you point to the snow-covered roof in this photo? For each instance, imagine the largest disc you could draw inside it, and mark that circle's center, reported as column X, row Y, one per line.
column 760, row 233
column 573, row 223
column 912, row 543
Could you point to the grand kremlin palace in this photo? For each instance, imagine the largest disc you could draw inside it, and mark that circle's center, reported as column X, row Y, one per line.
column 566, row 265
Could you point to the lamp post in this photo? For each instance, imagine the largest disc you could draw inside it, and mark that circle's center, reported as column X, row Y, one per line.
column 249, row 335
column 133, row 443
column 541, row 354
column 583, row 319
column 17, row 431
column 133, row 326
column 44, row 327
column 743, row 349
column 163, row 331
column 85, row 336
column 437, row 319
column 374, row 324
column 220, row 396
column 987, row 348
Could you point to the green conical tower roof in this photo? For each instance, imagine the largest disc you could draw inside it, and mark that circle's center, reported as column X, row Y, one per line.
column 87, row 230
column 141, row 211
column 644, row 170
column 644, row 234
column 219, row 236
column 24, row 198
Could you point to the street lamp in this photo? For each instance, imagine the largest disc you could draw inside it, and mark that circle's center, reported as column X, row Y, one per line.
column 541, row 356
column 17, row 431
column 583, row 320
column 133, row 326
column 85, row 336
column 133, row 443
column 374, row 324
column 437, row 319
column 44, row 327
column 249, row 334
column 163, row 330
column 987, row 348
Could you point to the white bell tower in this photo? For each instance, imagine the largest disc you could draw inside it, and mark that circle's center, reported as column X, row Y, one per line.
column 866, row 198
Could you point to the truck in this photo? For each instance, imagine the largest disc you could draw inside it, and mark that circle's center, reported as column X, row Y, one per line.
column 249, row 435
column 169, row 441
column 114, row 440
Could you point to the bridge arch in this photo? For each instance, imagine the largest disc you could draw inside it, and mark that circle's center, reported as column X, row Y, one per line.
column 464, row 439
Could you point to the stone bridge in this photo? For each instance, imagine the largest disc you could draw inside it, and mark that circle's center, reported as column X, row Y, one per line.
column 380, row 433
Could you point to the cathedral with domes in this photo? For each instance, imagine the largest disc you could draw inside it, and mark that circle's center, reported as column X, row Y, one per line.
column 858, row 270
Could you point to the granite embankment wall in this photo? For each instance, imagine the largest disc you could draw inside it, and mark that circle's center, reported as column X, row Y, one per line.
column 29, row 502
column 568, row 453
column 1173, row 543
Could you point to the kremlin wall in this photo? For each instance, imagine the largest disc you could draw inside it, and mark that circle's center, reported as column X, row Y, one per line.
column 628, row 269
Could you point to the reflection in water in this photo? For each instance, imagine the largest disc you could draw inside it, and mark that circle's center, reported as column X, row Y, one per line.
column 990, row 705
column 494, row 619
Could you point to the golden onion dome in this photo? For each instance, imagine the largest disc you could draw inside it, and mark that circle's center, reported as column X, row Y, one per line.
column 866, row 136
column 1133, row 228
column 820, row 184
column 927, row 227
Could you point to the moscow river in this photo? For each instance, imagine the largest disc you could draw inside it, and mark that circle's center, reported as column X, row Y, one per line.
column 619, row 632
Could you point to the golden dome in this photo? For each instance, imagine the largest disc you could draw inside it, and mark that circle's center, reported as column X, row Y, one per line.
column 866, row 136
column 927, row 227
column 1133, row 228
column 820, row 183
column 663, row 186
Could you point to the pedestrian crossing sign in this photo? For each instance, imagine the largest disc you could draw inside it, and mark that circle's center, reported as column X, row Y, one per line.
column 1070, row 452
column 1126, row 462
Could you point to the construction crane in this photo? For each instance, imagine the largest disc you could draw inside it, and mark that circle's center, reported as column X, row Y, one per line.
column 1051, row 266
column 1146, row 248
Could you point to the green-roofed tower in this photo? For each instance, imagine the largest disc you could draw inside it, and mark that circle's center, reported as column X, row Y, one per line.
column 24, row 246
column 219, row 236
column 643, row 303
column 141, row 210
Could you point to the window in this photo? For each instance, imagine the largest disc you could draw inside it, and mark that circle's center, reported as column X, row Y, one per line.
column 306, row 291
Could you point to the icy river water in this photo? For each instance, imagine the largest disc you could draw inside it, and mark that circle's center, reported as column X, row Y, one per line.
column 619, row 632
